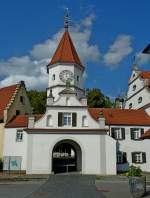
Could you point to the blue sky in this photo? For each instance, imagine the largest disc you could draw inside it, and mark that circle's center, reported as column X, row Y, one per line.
column 112, row 31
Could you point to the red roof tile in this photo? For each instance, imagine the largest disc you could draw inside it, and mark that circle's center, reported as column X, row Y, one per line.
column 121, row 116
column 6, row 94
column 66, row 52
column 145, row 74
column 146, row 135
column 21, row 121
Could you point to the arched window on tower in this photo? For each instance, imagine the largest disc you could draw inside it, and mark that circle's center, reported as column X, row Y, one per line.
column 53, row 77
column 49, row 121
column 84, row 121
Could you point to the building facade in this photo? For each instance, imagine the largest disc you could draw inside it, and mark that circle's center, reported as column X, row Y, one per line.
column 66, row 137
column 13, row 101
column 72, row 137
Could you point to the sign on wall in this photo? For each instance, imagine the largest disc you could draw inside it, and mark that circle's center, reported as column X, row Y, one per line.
column 12, row 163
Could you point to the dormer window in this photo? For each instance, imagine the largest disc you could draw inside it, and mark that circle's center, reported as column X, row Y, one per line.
column 139, row 100
column 134, row 87
column 53, row 77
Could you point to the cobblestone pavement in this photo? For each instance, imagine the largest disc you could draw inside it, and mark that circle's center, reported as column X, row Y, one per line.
column 68, row 186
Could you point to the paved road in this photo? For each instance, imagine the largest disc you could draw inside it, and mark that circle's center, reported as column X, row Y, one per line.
column 68, row 186
column 17, row 189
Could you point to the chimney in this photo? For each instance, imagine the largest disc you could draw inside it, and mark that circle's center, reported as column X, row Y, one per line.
column 101, row 120
column 119, row 103
column 31, row 121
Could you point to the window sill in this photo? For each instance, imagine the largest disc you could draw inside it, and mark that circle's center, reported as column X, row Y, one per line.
column 139, row 162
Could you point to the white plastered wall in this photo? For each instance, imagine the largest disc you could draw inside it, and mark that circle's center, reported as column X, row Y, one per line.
column 13, row 148
column 128, row 145
column 92, row 152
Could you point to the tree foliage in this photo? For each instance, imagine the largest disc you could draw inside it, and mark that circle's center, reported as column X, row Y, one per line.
column 94, row 96
column 37, row 100
column 97, row 99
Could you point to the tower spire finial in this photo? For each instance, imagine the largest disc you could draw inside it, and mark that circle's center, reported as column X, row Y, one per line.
column 135, row 65
column 66, row 19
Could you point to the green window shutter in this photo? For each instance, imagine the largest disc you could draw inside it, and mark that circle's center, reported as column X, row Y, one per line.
column 142, row 131
column 74, row 119
column 60, row 120
column 113, row 133
column 144, row 157
column 124, row 157
column 133, row 157
column 132, row 133
column 123, row 133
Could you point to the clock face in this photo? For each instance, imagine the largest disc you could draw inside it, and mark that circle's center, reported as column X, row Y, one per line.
column 66, row 75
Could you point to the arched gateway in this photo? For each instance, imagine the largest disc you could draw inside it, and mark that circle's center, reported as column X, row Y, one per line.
column 66, row 157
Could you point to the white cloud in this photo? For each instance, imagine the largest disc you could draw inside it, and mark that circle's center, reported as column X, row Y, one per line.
column 88, row 21
column 32, row 68
column 142, row 59
column 118, row 51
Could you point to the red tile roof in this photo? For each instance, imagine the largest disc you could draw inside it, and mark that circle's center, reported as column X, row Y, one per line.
column 21, row 121
column 66, row 52
column 146, row 135
column 6, row 94
column 121, row 116
column 146, row 75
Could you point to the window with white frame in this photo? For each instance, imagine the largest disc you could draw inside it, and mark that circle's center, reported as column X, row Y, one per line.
column 138, row 157
column 136, row 133
column 49, row 120
column 19, row 135
column 118, row 133
column 67, row 119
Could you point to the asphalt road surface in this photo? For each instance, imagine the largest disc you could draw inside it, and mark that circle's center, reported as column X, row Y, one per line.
column 68, row 186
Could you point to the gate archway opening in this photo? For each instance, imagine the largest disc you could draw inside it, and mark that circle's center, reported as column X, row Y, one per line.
column 66, row 157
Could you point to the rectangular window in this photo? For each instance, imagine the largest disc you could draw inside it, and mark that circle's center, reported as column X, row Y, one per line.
column 17, row 112
column 121, row 157
column 19, row 136
column 22, row 100
column 118, row 133
column 136, row 133
column 138, row 157
column 67, row 119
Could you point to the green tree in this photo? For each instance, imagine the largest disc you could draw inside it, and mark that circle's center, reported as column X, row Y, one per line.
column 37, row 100
column 96, row 98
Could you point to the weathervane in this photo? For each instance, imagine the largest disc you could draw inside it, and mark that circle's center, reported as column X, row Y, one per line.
column 66, row 20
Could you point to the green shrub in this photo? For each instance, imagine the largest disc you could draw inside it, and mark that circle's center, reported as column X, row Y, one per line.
column 1, row 164
column 134, row 171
